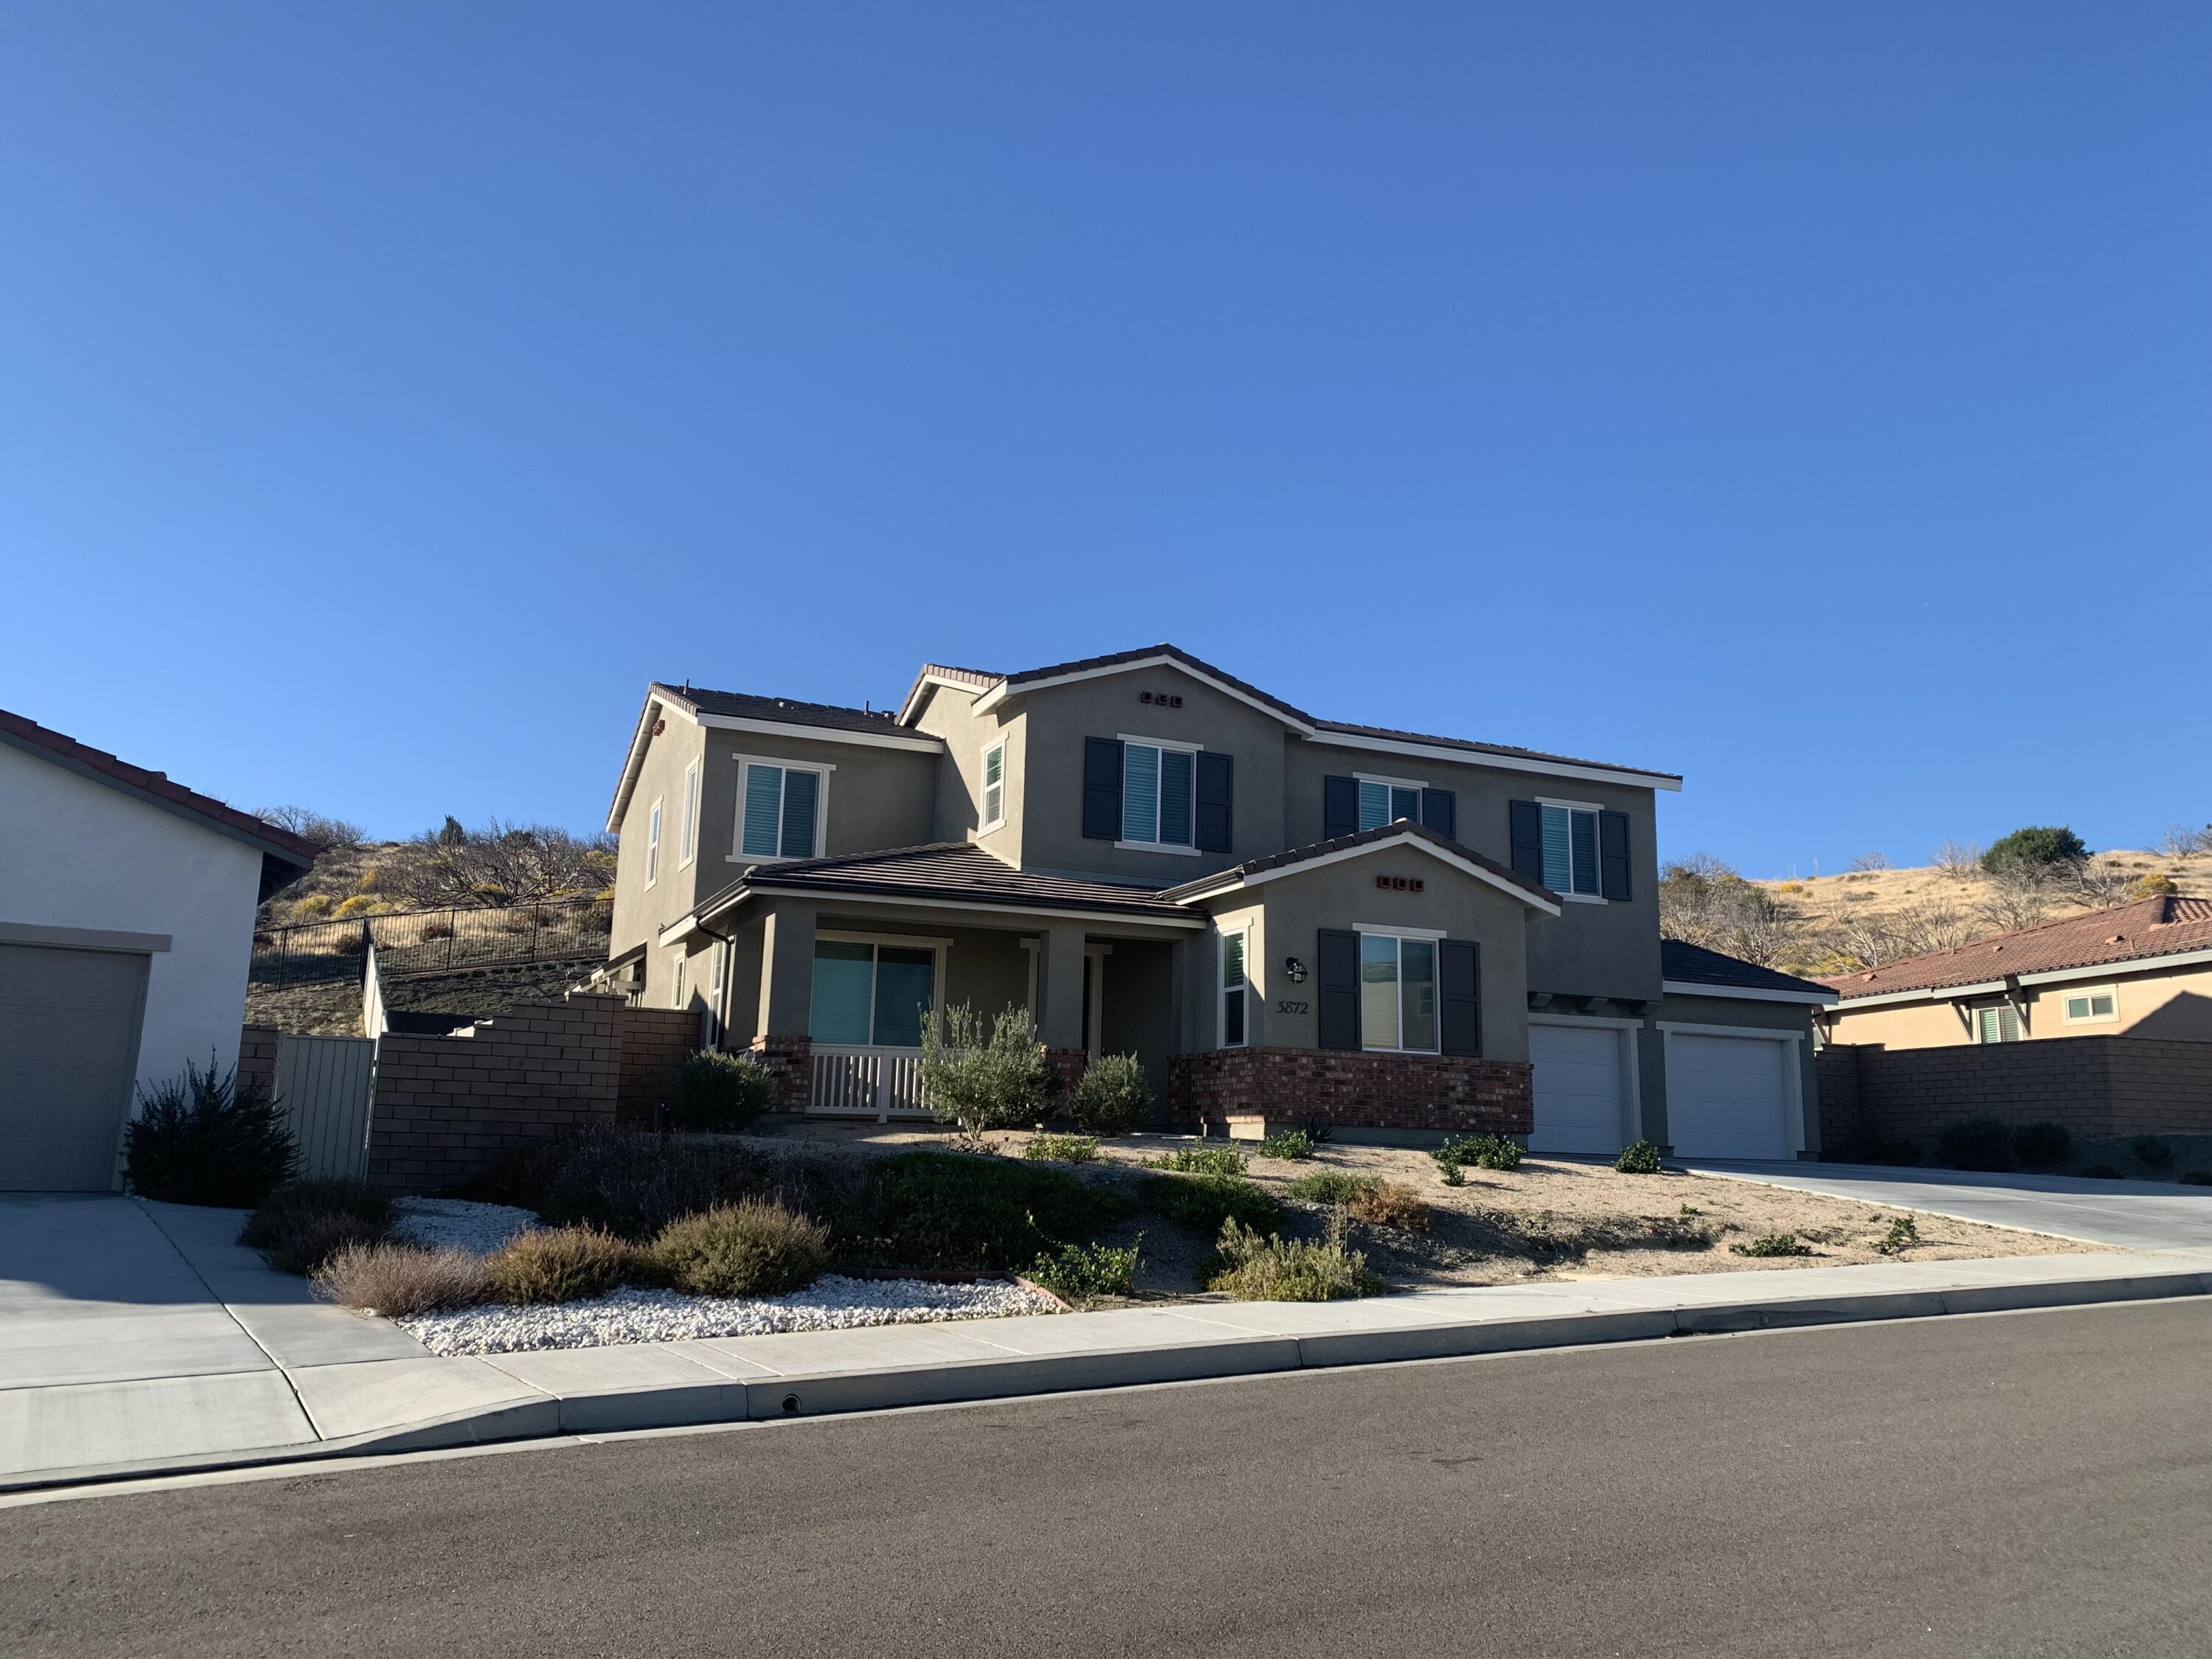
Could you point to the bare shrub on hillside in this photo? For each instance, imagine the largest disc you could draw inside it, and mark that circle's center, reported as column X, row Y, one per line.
column 1960, row 861
column 2102, row 883
column 1935, row 925
column 2181, row 841
column 2019, row 895
column 1877, row 860
column 501, row 863
column 1704, row 900
column 309, row 825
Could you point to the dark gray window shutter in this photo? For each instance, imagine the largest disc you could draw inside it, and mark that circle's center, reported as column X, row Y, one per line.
column 1440, row 811
column 1216, row 818
column 1613, row 855
column 1459, row 996
column 1337, row 996
column 1101, row 788
column 1528, row 826
column 1339, row 807
column 1582, row 837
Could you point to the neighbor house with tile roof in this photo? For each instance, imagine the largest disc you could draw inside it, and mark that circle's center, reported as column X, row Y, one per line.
column 2142, row 970
column 1282, row 916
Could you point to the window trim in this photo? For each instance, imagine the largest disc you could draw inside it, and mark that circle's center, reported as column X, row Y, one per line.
column 1183, row 849
column 936, row 944
column 1597, row 830
column 991, row 821
column 676, row 983
column 824, row 769
column 1243, row 936
column 2002, row 1010
column 653, row 842
column 2089, row 993
column 687, row 839
column 1429, row 936
column 1417, row 785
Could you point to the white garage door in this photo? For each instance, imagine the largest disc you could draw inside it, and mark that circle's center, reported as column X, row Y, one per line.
column 69, row 1042
column 1728, row 1097
column 1578, row 1092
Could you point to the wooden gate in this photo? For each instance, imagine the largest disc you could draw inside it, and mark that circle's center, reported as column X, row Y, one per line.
column 324, row 1085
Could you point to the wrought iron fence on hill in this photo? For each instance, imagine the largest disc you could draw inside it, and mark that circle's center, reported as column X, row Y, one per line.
column 430, row 941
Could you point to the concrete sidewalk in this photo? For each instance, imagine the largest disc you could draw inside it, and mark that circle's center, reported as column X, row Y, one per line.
column 321, row 1388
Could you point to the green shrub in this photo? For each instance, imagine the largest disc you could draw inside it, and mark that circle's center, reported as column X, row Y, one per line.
column 2042, row 1146
column 2100, row 1172
column 1485, row 1152
column 2045, row 846
column 1679, row 1232
column 206, row 1138
column 1975, row 1143
column 1773, row 1244
column 398, row 1280
column 750, row 1249
column 300, row 1225
column 2196, row 1177
column 1256, row 1269
column 1201, row 1160
column 1903, row 1233
column 1082, row 1273
column 562, row 1264
column 1063, row 1148
column 719, row 1093
column 1865, row 1146
column 2150, row 1151
column 1330, row 1186
column 1453, row 1175
column 1203, row 1202
column 1290, row 1145
column 634, row 1184
column 946, row 1211
column 1113, row 1096
column 1639, row 1158
column 998, row 1080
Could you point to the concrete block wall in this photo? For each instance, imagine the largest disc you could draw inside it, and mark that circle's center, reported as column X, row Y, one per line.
column 257, row 1056
column 1354, row 1089
column 654, row 1042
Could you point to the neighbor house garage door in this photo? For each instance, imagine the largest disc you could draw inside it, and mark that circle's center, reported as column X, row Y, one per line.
column 1728, row 1097
column 1579, row 1100
column 69, row 1045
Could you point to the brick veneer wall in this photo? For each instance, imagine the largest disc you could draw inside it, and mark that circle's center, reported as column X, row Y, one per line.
column 790, row 1062
column 257, row 1056
column 654, row 1039
column 448, row 1109
column 1354, row 1089
column 2095, row 1085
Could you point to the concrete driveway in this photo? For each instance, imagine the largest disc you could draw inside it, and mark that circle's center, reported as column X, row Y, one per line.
column 2135, row 1215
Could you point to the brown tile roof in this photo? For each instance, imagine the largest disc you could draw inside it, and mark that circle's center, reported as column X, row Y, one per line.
column 1347, row 843
column 951, row 870
column 275, row 843
column 2149, row 927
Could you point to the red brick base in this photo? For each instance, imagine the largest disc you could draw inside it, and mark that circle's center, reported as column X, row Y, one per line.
column 1353, row 1090
column 1070, row 1063
column 790, row 1061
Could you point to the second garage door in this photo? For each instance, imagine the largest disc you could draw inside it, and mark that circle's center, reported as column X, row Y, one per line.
column 69, row 1043
column 1579, row 1101
column 1728, row 1097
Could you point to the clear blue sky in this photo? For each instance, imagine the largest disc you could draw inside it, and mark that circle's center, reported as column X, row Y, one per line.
column 1813, row 399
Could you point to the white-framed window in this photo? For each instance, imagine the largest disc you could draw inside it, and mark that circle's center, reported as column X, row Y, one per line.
column 1388, row 800
column 2096, row 1006
column 2000, row 1024
column 676, row 980
column 781, row 809
column 994, row 785
column 1158, row 794
column 687, row 838
column 873, row 992
column 1398, row 991
column 652, row 844
column 1570, row 842
column 1235, row 991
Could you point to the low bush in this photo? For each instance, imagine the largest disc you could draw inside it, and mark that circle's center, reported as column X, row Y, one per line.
column 1063, row 1148
column 634, row 1184
column 1638, row 1157
column 2099, row 1172
column 562, row 1264
column 204, row 1137
column 2151, row 1153
column 982, row 1079
column 1113, row 1096
column 2196, row 1177
column 2042, row 1146
column 1203, row 1202
column 1330, row 1186
column 1290, row 1145
column 300, row 1225
column 398, row 1280
column 1085, row 1273
column 1975, row 1143
column 1256, row 1269
column 1484, row 1151
column 1903, row 1233
column 719, row 1093
column 1392, row 1204
column 1773, row 1244
column 947, row 1212
column 1680, row 1232
column 750, row 1249
column 1201, row 1160
column 1867, row 1147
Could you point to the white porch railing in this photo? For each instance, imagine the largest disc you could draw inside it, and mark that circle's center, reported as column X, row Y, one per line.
column 856, row 1082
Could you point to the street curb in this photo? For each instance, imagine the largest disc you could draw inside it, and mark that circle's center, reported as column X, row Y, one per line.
column 822, row 1394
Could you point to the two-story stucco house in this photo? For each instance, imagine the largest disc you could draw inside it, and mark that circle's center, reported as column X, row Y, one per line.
column 1281, row 915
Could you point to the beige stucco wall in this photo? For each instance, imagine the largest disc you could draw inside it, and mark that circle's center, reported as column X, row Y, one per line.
column 957, row 815
column 639, row 912
column 2170, row 1004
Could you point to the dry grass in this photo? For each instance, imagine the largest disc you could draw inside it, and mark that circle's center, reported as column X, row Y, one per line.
column 1392, row 1204
column 397, row 1280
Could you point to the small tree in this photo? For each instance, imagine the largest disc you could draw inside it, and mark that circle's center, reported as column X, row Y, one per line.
column 2046, row 846
column 998, row 1080
column 2019, row 895
column 720, row 1093
column 1114, row 1096
column 1960, row 861
column 206, row 1138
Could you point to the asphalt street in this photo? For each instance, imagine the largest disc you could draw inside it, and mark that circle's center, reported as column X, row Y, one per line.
column 2036, row 1484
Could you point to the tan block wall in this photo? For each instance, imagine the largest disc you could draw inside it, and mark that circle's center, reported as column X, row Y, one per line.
column 654, row 1042
column 257, row 1056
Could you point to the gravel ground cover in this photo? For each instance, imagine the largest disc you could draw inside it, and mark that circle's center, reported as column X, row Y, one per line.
column 832, row 1303
column 454, row 1224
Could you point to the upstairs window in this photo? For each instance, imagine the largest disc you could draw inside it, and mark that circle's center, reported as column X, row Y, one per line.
column 1388, row 800
column 653, row 845
column 994, row 786
column 687, row 843
column 1571, row 850
column 1155, row 795
column 2097, row 1007
column 2000, row 1025
column 783, row 808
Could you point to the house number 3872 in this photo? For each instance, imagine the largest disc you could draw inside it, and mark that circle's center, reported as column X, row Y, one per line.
column 1291, row 1007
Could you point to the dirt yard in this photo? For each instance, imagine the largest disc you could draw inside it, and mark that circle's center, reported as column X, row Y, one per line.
column 1551, row 1219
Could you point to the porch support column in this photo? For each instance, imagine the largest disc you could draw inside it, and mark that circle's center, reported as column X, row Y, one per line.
column 1060, row 986
column 786, row 979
